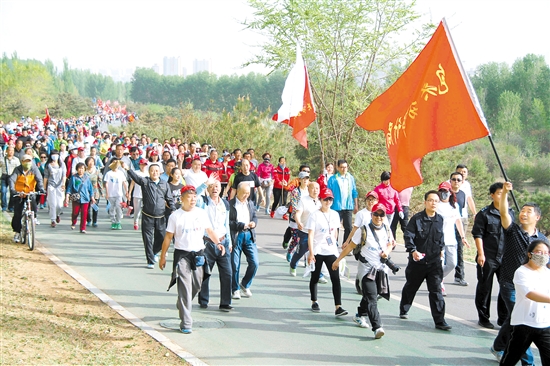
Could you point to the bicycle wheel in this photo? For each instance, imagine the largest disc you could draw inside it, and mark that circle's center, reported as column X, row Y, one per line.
column 23, row 234
column 30, row 232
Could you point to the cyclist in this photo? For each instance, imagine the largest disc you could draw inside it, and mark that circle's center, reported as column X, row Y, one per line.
column 25, row 178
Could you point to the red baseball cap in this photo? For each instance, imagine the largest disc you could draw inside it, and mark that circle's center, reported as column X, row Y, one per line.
column 154, row 153
column 445, row 186
column 143, row 161
column 187, row 189
column 372, row 193
column 325, row 193
column 379, row 207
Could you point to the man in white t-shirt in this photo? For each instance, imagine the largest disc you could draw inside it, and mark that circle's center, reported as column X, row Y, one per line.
column 194, row 176
column 187, row 226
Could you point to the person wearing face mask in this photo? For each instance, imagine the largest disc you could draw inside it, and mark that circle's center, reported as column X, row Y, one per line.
column 25, row 178
column 530, row 319
column 54, row 181
column 451, row 219
column 265, row 173
column 517, row 238
column 281, row 177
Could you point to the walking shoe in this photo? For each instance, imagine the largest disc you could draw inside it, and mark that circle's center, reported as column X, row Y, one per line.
column 36, row 222
column 379, row 333
column 52, row 224
column 443, row 326
column 57, row 219
column 443, row 292
column 203, row 306
column 288, row 257
column 150, row 266
column 119, row 226
column 293, row 272
column 245, row 292
column 226, row 308
column 323, row 280
column 113, row 226
column 94, row 224
column 285, row 217
column 460, row 282
column 340, row 312
column 404, row 316
column 272, row 214
column 237, row 295
column 498, row 354
column 83, row 231
column 136, row 227
column 360, row 321
column 72, row 227
column 315, row 307
column 186, row 331
column 156, row 258
column 486, row 324
column 285, row 245
column 88, row 222
column 17, row 238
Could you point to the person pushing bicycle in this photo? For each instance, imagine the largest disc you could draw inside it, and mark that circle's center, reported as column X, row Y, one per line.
column 25, row 178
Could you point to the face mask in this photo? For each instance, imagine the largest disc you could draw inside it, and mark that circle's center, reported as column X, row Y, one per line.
column 540, row 260
column 26, row 165
column 55, row 157
column 444, row 195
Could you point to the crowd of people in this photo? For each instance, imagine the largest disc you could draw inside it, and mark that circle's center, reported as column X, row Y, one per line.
column 206, row 201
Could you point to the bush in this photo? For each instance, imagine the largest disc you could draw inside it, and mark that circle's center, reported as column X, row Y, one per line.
column 540, row 171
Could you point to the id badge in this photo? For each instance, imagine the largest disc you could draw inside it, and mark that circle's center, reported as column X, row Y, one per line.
column 329, row 240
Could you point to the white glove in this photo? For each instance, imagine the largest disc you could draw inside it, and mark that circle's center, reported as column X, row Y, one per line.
column 401, row 215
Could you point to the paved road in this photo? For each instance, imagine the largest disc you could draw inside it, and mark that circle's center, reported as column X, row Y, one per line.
column 275, row 326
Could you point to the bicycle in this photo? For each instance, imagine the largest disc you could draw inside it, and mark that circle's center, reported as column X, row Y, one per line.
column 28, row 226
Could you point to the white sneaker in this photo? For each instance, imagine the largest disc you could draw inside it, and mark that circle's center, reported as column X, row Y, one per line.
column 245, row 292
column 360, row 321
column 36, row 222
column 237, row 295
column 156, row 259
column 379, row 333
column 443, row 292
column 323, row 280
column 17, row 238
column 293, row 272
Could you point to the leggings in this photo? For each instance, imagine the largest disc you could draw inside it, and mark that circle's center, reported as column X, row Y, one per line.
column 334, row 278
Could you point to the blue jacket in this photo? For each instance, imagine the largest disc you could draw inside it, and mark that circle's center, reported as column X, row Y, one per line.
column 334, row 185
column 87, row 190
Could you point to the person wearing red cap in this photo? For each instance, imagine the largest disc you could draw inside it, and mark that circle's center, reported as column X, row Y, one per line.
column 425, row 244
column 322, row 227
column 448, row 208
column 187, row 226
column 375, row 249
column 135, row 192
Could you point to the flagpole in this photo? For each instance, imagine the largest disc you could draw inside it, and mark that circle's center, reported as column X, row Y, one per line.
column 320, row 145
column 476, row 103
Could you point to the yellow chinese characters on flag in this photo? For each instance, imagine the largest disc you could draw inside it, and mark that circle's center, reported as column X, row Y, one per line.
column 432, row 106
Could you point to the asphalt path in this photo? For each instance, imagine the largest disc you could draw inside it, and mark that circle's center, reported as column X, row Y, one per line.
column 275, row 326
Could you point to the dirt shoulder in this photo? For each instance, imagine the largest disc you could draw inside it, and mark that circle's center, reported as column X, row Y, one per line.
column 49, row 318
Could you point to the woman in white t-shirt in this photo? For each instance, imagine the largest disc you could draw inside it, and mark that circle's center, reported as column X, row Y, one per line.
column 531, row 314
column 116, row 188
column 322, row 229
column 451, row 219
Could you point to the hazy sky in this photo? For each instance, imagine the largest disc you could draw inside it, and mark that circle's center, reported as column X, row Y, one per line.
column 139, row 33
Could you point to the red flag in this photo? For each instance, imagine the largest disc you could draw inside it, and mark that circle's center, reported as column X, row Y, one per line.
column 432, row 106
column 46, row 119
column 297, row 110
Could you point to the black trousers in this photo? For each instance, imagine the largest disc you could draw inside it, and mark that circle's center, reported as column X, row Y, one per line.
column 521, row 338
column 334, row 278
column 346, row 218
column 153, row 231
column 213, row 256
column 415, row 274
column 484, row 289
column 277, row 192
column 401, row 221
column 369, row 303
column 18, row 208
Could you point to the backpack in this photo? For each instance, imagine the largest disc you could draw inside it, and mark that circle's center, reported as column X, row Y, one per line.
column 357, row 250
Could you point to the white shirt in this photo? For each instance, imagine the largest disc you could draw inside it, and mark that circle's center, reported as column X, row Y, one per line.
column 217, row 214
column 307, row 206
column 243, row 214
column 194, row 179
column 324, row 226
column 526, row 311
column 188, row 228
column 450, row 215
column 364, row 217
column 113, row 182
column 137, row 188
column 371, row 250
column 467, row 189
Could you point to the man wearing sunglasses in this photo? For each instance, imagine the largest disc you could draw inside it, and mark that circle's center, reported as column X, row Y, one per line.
column 425, row 244
column 456, row 179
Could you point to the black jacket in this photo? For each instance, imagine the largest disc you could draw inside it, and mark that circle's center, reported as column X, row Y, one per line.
column 488, row 227
column 155, row 195
column 425, row 235
column 236, row 227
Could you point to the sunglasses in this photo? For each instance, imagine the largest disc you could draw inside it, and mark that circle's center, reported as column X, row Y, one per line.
column 43, row 157
column 456, row 180
column 376, row 214
column 328, row 199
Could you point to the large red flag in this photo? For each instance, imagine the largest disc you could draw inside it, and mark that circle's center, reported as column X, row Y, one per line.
column 46, row 119
column 432, row 106
column 297, row 110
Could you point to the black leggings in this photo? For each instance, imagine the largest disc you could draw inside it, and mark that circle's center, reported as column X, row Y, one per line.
column 334, row 278
column 277, row 197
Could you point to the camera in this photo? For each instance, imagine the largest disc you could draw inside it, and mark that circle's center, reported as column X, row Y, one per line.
column 391, row 265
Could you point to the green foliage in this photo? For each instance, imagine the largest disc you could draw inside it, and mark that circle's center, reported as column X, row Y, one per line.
column 543, row 200
column 541, row 171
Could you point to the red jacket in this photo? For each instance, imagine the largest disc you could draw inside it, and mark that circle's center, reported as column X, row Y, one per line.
column 210, row 167
column 279, row 175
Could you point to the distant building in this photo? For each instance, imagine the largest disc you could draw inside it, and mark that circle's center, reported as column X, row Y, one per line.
column 202, row 65
column 156, row 68
column 172, row 66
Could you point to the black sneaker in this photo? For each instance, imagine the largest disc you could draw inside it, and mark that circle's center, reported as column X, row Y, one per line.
column 340, row 312
column 203, row 306
column 443, row 326
column 226, row 308
column 486, row 324
column 404, row 316
column 315, row 307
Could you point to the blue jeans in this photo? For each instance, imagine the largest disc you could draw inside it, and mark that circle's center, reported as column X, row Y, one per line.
column 508, row 293
column 4, row 195
column 244, row 244
column 302, row 248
